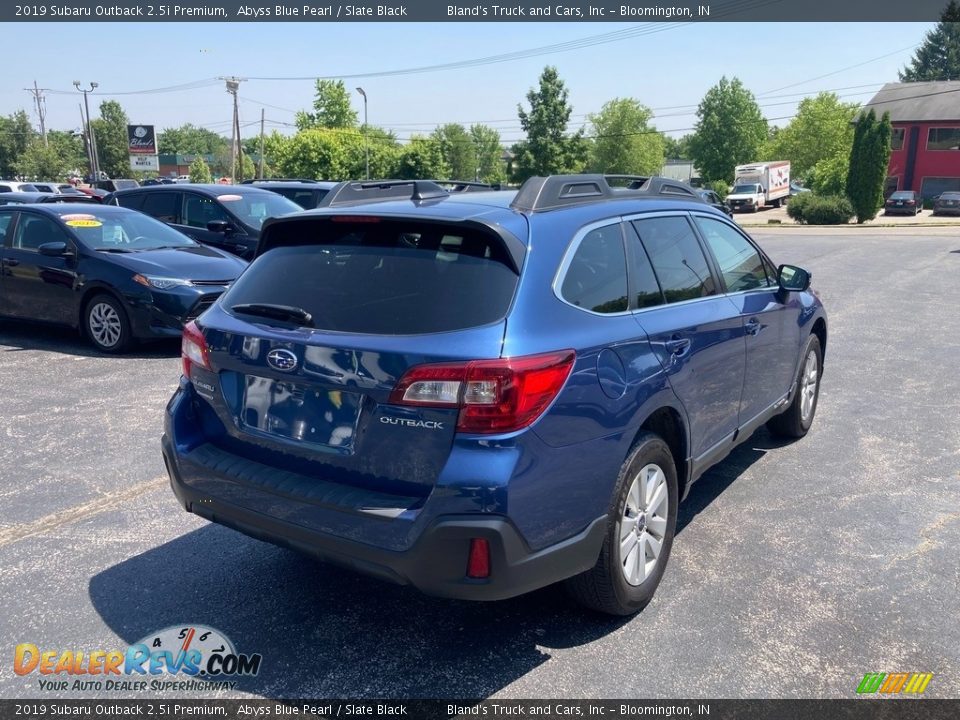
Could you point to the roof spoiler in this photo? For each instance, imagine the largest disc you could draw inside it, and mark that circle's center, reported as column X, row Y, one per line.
column 539, row 194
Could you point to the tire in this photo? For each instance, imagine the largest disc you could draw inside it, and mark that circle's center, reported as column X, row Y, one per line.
column 606, row 587
column 106, row 325
column 795, row 421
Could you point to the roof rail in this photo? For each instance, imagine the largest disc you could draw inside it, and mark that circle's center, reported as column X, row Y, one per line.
column 467, row 185
column 251, row 181
column 352, row 192
column 538, row 194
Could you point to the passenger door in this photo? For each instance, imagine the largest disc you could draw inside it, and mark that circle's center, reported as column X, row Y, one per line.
column 35, row 286
column 695, row 331
column 771, row 325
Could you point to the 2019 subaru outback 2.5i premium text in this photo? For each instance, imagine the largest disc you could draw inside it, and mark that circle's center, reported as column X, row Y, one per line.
column 485, row 393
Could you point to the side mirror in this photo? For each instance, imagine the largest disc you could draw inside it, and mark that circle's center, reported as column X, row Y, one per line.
column 220, row 226
column 55, row 249
column 792, row 278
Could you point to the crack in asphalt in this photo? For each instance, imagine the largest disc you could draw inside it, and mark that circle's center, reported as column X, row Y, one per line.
column 99, row 504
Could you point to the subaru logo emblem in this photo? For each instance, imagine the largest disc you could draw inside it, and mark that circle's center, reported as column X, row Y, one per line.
column 282, row 360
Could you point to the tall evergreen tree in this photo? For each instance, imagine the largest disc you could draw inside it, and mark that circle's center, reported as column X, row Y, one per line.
column 548, row 149
column 939, row 56
column 869, row 158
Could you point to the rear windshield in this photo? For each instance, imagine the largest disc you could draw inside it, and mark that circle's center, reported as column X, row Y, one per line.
column 384, row 278
column 903, row 195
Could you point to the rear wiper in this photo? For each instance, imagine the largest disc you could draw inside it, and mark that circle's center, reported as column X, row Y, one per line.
column 277, row 312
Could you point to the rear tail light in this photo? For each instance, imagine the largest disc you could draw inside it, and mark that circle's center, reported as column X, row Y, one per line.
column 193, row 348
column 494, row 396
column 478, row 563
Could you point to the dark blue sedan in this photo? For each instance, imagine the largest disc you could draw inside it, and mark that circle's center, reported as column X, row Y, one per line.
column 115, row 274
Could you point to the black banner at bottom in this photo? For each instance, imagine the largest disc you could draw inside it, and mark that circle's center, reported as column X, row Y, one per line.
column 165, row 709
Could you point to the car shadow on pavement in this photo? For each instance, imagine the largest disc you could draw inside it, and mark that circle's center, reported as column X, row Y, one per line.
column 721, row 476
column 327, row 632
column 16, row 336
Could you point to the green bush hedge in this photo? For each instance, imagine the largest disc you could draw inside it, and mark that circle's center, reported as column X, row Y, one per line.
column 813, row 209
column 720, row 188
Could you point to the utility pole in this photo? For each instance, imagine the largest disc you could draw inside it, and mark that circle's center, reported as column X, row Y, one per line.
column 366, row 143
column 86, row 137
column 233, row 85
column 263, row 120
column 94, row 160
column 40, row 101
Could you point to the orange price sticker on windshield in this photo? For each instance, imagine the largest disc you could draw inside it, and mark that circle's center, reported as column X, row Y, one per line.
column 84, row 223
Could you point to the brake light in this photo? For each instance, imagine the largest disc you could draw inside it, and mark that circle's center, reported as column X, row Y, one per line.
column 193, row 348
column 494, row 396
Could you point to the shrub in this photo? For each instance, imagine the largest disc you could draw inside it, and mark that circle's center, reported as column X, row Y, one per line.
column 812, row 209
column 200, row 171
column 720, row 187
column 795, row 208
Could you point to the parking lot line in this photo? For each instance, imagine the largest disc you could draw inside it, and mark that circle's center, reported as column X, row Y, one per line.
column 96, row 506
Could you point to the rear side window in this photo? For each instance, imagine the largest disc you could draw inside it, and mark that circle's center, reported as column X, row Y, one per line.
column 134, row 201
column 596, row 278
column 677, row 258
column 739, row 261
column 383, row 277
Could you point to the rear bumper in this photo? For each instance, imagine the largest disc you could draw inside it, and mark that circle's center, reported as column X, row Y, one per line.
column 435, row 560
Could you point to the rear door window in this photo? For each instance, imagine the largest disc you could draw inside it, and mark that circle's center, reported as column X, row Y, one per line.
column 677, row 257
column 387, row 277
column 162, row 206
column 134, row 201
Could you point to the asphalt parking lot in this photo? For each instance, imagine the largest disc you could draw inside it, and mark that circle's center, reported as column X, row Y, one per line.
column 797, row 567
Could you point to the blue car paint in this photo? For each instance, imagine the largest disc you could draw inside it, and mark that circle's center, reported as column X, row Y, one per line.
column 549, row 481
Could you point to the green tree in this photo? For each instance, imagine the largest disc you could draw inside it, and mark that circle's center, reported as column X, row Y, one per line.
column 548, row 149
column 869, row 159
column 938, row 58
column 730, row 130
column 821, row 129
column 624, row 141
column 829, row 176
column 421, row 159
column 16, row 133
column 458, row 150
column 486, row 140
column 200, row 171
column 52, row 160
column 331, row 108
column 676, row 148
column 189, row 139
column 110, row 131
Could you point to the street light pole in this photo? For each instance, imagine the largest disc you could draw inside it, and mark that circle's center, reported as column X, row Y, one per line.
column 91, row 137
column 366, row 143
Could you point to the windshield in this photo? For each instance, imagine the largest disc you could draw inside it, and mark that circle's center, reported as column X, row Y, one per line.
column 744, row 189
column 123, row 231
column 253, row 209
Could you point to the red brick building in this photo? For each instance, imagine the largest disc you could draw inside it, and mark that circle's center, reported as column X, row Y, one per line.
column 925, row 147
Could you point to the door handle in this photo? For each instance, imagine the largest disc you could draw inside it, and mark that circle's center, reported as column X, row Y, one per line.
column 678, row 346
column 10, row 262
column 752, row 326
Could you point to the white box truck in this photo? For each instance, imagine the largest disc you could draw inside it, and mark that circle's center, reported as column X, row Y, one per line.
column 759, row 184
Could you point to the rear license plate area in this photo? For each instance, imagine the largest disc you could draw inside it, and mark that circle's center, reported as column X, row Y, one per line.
column 301, row 413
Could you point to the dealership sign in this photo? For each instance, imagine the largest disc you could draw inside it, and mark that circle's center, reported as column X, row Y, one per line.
column 141, row 140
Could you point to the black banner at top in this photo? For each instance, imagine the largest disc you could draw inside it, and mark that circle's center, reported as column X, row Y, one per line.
column 476, row 11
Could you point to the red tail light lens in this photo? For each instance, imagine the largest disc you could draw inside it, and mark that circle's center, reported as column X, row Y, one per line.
column 478, row 563
column 494, row 396
column 193, row 348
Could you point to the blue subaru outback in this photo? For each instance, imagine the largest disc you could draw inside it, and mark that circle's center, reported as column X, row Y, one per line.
column 485, row 393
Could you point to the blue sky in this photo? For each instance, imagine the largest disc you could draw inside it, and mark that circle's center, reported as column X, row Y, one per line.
column 666, row 66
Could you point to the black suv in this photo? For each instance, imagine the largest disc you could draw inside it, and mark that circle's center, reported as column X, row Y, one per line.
column 223, row 216
column 305, row 193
